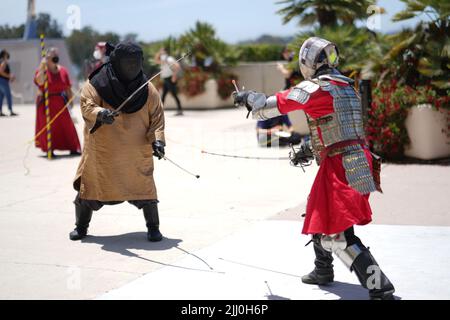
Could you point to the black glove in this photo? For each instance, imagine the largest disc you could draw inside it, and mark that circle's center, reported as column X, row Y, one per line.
column 303, row 156
column 105, row 116
column 240, row 99
column 158, row 149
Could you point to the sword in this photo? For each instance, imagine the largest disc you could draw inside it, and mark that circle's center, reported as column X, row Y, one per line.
column 117, row 111
column 237, row 90
column 180, row 167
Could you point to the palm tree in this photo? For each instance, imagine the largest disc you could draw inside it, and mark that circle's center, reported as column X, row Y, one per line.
column 326, row 12
column 437, row 11
column 422, row 56
column 208, row 51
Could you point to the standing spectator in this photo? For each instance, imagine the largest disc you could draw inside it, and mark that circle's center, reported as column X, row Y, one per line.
column 280, row 128
column 5, row 78
column 291, row 77
column 99, row 57
column 169, row 70
column 64, row 134
column 100, row 54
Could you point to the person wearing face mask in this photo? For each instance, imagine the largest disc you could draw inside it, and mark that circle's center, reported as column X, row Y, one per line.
column 5, row 78
column 278, row 131
column 99, row 55
column 291, row 77
column 117, row 163
column 64, row 135
column 169, row 71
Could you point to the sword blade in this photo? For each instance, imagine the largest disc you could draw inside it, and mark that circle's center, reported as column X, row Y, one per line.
column 178, row 166
column 116, row 112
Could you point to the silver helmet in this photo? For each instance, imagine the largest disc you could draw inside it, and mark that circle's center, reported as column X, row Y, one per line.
column 316, row 52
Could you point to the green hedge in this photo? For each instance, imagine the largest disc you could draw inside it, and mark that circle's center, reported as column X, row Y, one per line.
column 259, row 52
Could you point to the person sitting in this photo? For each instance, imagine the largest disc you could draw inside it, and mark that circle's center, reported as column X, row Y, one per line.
column 277, row 131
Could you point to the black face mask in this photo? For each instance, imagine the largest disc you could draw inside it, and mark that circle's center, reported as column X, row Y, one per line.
column 55, row 59
column 128, row 68
column 127, row 61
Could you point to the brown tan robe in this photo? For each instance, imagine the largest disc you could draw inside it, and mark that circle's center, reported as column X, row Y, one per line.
column 117, row 161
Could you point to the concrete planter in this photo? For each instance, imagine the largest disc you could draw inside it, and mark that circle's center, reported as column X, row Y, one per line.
column 209, row 99
column 428, row 131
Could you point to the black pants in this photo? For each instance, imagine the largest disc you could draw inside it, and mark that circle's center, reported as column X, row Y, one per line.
column 96, row 205
column 265, row 139
column 353, row 239
column 171, row 87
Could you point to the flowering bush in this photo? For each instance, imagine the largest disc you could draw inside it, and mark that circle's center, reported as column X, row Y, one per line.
column 194, row 79
column 428, row 95
column 193, row 82
column 224, row 85
column 386, row 131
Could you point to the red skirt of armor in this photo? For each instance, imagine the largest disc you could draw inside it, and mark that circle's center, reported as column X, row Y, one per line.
column 333, row 206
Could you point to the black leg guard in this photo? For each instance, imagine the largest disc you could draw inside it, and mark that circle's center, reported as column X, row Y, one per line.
column 371, row 277
column 366, row 268
column 323, row 271
column 152, row 222
column 83, row 215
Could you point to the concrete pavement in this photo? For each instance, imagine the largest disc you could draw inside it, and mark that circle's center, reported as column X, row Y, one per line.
column 226, row 214
column 267, row 260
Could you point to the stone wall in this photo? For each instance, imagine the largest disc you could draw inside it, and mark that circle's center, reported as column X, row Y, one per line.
column 25, row 59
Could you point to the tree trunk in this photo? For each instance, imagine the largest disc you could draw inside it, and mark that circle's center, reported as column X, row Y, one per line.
column 326, row 17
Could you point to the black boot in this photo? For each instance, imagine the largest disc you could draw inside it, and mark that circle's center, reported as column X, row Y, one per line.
column 83, row 215
column 152, row 222
column 371, row 277
column 323, row 272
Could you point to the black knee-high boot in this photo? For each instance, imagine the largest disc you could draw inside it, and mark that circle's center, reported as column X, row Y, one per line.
column 152, row 222
column 83, row 215
column 371, row 277
column 367, row 270
column 323, row 271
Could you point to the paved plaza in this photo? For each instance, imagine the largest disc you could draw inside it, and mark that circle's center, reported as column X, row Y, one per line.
column 235, row 233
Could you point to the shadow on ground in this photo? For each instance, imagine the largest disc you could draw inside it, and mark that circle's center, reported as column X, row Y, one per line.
column 61, row 156
column 122, row 244
column 275, row 297
column 136, row 240
column 348, row 291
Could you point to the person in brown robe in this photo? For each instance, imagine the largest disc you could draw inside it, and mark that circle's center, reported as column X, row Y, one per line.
column 117, row 163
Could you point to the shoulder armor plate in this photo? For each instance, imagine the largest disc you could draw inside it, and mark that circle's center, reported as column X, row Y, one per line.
column 302, row 92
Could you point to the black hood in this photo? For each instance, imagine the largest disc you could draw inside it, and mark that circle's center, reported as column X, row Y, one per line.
column 117, row 79
column 127, row 60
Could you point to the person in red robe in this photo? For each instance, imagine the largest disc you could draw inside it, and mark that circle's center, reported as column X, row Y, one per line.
column 63, row 133
column 339, row 197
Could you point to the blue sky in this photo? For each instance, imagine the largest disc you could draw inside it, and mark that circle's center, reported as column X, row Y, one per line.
column 234, row 20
